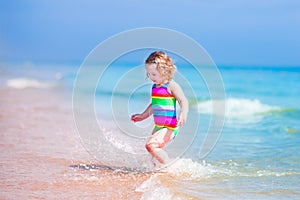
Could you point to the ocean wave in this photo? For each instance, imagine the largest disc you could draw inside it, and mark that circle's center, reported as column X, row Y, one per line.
column 162, row 185
column 236, row 108
column 187, row 169
column 251, row 170
column 191, row 175
column 23, row 83
column 192, row 170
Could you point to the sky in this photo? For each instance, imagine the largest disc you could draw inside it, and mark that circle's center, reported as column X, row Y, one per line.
column 233, row 32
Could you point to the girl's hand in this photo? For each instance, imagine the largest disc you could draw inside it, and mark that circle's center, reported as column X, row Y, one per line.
column 137, row 117
column 181, row 119
column 144, row 115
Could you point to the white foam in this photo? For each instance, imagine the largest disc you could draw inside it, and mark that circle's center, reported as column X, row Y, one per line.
column 153, row 189
column 183, row 169
column 191, row 170
column 22, row 83
column 235, row 108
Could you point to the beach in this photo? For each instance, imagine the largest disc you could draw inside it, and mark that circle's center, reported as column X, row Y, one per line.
column 73, row 76
column 39, row 144
column 44, row 157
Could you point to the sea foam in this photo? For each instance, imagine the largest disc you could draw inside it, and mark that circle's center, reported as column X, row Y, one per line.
column 22, row 83
column 236, row 108
column 158, row 186
column 153, row 189
column 192, row 170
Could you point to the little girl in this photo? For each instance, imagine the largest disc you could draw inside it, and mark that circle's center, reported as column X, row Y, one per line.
column 165, row 91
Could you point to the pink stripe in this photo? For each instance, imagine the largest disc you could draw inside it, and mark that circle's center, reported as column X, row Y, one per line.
column 160, row 92
column 164, row 120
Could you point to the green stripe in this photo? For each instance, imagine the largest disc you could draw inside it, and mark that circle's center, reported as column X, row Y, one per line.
column 165, row 102
column 157, row 128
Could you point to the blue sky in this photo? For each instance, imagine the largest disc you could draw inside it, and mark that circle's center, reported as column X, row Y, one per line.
column 234, row 32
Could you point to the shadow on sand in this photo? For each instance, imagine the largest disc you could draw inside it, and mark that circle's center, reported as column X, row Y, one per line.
column 90, row 167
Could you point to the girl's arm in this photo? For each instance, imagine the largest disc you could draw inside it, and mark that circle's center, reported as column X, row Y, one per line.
column 144, row 115
column 177, row 92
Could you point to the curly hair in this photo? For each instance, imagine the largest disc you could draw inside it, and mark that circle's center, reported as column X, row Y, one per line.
column 164, row 63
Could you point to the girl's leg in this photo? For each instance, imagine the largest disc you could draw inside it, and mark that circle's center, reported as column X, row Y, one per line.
column 157, row 142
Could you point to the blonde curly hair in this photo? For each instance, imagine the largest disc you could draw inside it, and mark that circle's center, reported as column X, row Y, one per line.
column 164, row 64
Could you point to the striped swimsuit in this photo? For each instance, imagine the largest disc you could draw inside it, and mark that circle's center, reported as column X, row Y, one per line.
column 164, row 108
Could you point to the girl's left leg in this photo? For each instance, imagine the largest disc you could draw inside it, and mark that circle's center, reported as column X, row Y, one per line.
column 157, row 142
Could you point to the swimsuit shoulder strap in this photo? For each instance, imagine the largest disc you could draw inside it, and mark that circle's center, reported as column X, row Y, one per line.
column 166, row 85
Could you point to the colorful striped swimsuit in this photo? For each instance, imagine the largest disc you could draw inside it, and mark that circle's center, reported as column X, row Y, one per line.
column 164, row 108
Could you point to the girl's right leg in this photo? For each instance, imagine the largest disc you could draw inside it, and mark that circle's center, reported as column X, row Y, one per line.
column 157, row 142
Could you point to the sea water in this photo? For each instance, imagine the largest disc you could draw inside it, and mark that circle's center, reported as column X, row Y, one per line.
column 255, row 157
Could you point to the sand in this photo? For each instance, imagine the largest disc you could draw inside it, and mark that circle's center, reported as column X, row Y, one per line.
column 40, row 147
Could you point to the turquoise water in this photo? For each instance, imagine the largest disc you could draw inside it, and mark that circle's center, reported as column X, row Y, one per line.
column 258, row 152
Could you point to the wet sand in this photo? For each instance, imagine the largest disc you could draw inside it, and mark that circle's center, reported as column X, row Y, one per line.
column 40, row 147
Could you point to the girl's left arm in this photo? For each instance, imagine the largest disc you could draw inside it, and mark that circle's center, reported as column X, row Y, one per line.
column 177, row 92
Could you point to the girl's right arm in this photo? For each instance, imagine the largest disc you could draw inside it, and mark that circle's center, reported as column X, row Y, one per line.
column 144, row 115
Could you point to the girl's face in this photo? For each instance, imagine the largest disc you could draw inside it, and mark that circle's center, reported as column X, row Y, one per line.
column 154, row 74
